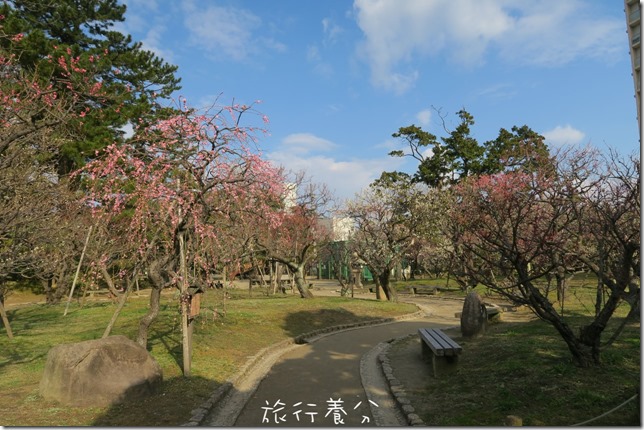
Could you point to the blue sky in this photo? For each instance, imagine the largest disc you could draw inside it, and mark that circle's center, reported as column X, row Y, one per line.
column 338, row 77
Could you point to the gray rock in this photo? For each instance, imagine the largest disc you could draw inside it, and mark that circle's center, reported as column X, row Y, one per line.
column 409, row 409
column 414, row 419
column 99, row 372
column 513, row 421
column 474, row 316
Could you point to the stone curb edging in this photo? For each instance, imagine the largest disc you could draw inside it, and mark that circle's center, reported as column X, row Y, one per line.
column 396, row 387
column 200, row 413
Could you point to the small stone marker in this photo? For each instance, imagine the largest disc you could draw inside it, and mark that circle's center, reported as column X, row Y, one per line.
column 513, row 421
column 474, row 316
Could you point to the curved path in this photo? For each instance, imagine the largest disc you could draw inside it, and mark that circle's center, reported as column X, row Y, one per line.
column 334, row 379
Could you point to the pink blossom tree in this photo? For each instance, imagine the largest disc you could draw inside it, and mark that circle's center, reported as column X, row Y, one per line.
column 42, row 110
column 390, row 217
column 516, row 229
column 295, row 241
column 176, row 178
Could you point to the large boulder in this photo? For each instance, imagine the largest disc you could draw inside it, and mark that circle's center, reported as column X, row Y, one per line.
column 474, row 316
column 99, row 372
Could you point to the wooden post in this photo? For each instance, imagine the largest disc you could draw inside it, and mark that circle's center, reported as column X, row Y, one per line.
column 185, row 322
column 5, row 321
column 71, row 292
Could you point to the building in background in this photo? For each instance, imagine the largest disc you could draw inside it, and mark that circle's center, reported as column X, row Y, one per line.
column 339, row 228
column 290, row 195
column 634, row 29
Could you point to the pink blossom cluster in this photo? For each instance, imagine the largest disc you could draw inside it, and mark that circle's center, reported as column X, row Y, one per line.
column 190, row 173
column 514, row 213
column 22, row 93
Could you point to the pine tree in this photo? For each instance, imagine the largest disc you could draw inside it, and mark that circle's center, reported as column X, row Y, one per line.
column 131, row 77
column 459, row 155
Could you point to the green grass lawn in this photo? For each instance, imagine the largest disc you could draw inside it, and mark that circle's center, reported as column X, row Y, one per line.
column 515, row 369
column 221, row 345
column 526, row 370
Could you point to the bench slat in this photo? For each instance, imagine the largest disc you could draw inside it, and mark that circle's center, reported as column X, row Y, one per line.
column 439, row 342
column 417, row 289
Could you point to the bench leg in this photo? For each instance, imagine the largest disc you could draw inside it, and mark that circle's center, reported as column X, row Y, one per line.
column 444, row 365
column 426, row 352
column 440, row 364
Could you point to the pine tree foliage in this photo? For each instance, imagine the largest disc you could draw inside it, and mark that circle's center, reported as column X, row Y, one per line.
column 131, row 77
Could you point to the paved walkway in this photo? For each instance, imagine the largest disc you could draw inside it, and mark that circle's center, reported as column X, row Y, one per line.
column 321, row 383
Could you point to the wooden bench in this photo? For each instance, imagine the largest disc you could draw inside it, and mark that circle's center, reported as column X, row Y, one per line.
column 440, row 348
column 423, row 289
column 288, row 282
column 259, row 280
column 493, row 312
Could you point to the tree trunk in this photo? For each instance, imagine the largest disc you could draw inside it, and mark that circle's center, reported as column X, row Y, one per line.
column 109, row 281
column 58, row 288
column 413, row 268
column 155, row 274
column 5, row 321
column 385, row 283
column 560, row 276
column 298, row 271
column 122, row 301
column 148, row 319
column 380, row 292
column 585, row 352
column 47, row 287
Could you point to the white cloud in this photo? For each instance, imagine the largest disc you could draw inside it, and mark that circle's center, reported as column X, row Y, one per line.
column 344, row 177
column 545, row 33
column 226, row 31
column 303, row 143
column 502, row 91
column 391, row 145
column 563, row 135
column 313, row 53
column 423, row 117
column 128, row 130
column 320, row 67
column 331, row 30
column 555, row 33
column 145, row 17
column 152, row 42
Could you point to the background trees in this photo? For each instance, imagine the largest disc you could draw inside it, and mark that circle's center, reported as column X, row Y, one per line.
column 296, row 239
column 390, row 216
column 38, row 118
column 519, row 217
column 459, row 155
column 519, row 229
